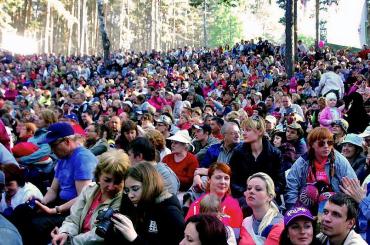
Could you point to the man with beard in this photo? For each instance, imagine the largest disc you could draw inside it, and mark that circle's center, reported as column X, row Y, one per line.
column 94, row 142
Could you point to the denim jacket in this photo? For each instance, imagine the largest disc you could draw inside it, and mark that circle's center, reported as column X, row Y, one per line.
column 297, row 176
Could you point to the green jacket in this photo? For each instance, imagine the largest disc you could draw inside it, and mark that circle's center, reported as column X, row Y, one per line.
column 72, row 225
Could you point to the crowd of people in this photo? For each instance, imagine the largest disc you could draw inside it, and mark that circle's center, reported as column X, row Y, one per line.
column 187, row 146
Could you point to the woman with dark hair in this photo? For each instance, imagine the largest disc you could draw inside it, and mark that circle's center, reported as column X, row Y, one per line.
column 353, row 151
column 356, row 109
column 317, row 174
column 148, row 214
column 218, row 184
column 299, row 228
column 18, row 191
column 128, row 133
column 203, row 230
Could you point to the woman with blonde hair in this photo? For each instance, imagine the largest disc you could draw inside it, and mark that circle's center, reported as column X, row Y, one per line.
column 265, row 225
column 80, row 226
column 255, row 154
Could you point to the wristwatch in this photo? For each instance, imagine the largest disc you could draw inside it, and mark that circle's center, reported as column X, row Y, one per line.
column 57, row 208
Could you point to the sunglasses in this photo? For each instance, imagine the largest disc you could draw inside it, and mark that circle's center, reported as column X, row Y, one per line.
column 322, row 143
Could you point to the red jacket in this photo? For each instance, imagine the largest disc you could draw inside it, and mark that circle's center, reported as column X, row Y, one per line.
column 4, row 137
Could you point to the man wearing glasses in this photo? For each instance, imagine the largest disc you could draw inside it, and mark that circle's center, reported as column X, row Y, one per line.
column 74, row 171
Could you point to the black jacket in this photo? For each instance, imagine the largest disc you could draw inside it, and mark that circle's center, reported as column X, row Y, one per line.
column 160, row 222
column 243, row 164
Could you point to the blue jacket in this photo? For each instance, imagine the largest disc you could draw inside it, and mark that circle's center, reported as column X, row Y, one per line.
column 213, row 155
column 44, row 149
column 297, row 176
column 364, row 216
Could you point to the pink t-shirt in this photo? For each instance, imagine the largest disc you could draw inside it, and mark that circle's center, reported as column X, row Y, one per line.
column 95, row 203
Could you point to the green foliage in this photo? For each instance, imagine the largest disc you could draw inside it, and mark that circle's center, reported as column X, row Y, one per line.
column 230, row 3
column 225, row 27
column 12, row 6
column 308, row 41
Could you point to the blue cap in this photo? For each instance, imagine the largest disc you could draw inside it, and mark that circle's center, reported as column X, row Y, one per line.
column 72, row 116
column 57, row 131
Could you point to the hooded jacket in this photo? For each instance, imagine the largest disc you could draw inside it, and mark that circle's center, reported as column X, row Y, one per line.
column 160, row 222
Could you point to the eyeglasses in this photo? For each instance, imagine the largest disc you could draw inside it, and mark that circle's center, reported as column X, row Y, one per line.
column 233, row 133
column 57, row 142
column 321, row 143
column 134, row 188
column 256, row 118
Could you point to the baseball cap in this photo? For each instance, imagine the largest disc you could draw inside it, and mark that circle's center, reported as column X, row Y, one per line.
column 271, row 119
column 295, row 213
column 72, row 116
column 57, row 131
column 127, row 102
column 164, row 119
column 294, row 126
column 204, row 127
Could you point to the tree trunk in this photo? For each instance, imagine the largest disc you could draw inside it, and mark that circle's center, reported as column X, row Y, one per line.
column 51, row 35
column 78, row 25
column 103, row 32
column 295, row 52
column 157, row 25
column 205, row 42
column 317, row 24
column 22, row 23
column 47, row 27
column 289, row 38
column 173, row 24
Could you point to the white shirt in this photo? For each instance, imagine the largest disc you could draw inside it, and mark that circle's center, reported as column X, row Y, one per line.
column 330, row 80
column 23, row 194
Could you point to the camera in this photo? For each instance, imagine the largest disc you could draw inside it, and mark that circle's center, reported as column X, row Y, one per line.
column 31, row 203
column 104, row 222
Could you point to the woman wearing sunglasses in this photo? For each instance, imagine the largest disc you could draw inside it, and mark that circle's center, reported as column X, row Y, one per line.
column 318, row 173
column 148, row 214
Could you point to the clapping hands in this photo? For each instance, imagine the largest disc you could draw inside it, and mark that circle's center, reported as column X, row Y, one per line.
column 353, row 188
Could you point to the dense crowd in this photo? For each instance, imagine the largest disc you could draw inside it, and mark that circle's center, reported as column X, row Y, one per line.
column 187, row 146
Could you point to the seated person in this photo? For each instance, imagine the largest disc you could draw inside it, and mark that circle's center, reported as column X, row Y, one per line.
column 265, row 225
column 80, row 226
column 219, row 184
column 73, row 172
column 17, row 190
column 338, row 221
column 182, row 162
